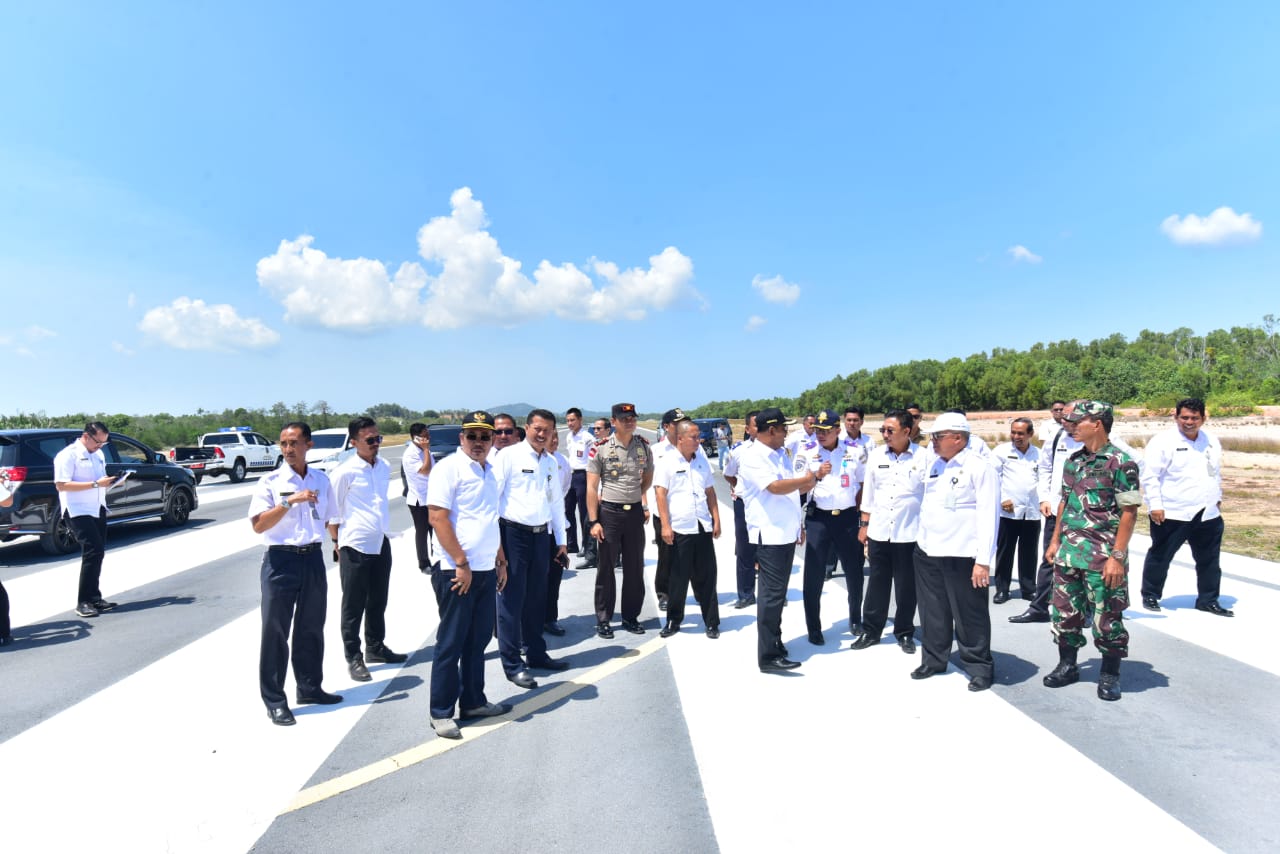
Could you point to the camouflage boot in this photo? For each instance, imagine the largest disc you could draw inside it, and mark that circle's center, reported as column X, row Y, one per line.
column 1066, row 673
column 1109, row 680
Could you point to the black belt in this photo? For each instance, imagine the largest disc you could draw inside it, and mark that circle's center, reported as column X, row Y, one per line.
column 532, row 529
column 814, row 510
column 614, row 505
column 297, row 550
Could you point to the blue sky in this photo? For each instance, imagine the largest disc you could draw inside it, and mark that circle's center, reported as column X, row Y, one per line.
column 457, row 205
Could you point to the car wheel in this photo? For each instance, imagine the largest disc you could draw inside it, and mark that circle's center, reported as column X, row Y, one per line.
column 60, row 540
column 178, row 508
column 237, row 471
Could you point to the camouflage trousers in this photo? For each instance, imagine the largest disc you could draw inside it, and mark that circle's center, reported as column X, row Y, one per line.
column 1074, row 591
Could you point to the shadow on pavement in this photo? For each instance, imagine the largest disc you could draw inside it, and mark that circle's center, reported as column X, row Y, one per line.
column 48, row 634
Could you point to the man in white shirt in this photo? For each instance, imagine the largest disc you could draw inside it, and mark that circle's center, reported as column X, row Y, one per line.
column 684, row 490
column 463, row 502
column 831, row 520
column 891, row 498
column 359, row 532
column 1182, row 483
column 6, row 499
column 531, row 526
column 858, row 446
column 1017, row 463
column 956, row 545
column 577, row 444
column 665, row 446
column 771, row 500
column 416, row 465
column 744, row 549
column 289, row 507
column 80, row 476
column 1050, row 426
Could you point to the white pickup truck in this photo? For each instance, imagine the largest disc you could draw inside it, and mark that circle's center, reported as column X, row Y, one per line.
column 237, row 451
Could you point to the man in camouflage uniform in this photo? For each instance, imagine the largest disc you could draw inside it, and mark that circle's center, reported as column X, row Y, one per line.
column 1089, row 548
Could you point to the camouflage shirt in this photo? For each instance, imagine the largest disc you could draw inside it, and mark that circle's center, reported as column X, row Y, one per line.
column 1095, row 487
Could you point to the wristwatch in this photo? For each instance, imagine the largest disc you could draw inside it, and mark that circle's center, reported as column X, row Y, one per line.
column 1119, row 554
column 591, row 523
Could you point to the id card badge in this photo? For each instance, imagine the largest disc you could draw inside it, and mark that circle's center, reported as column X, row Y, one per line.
column 950, row 501
column 844, row 481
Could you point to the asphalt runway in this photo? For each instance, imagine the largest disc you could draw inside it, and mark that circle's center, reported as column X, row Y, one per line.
column 142, row 731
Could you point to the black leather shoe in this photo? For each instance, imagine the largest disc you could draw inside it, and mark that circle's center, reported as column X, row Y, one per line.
column 816, row 638
column 104, row 606
column 1062, row 676
column 554, row 628
column 319, row 698
column 383, row 655
column 358, row 671
column 87, row 609
column 668, row 630
column 555, row 665
column 979, row 683
column 865, row 641
column 713, row 632
column 633, row 626
column 663, row 599
column 604, row 630
column 8, row 639
column 586, row 564
column 1215, row 608
column 281, row 716
column 778, row 665
column 857, row 630
column 1030, row 617
column 924, row 671
column 744, row 602
column 1109, row 686
column 1151, row 603
column 523, row 678
column 1000, row 598
column 907, row 645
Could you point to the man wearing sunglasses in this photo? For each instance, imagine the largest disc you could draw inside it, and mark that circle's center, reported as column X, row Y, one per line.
column 360, row 486
column 505, row 433
column 80, row 476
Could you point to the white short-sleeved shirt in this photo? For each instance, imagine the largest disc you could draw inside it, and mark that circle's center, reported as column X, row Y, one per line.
column 409, row 464
column 1183, row 477
column 772, row 520
column 576, row 447
column 892, row 493
column 469, row 491
column 305, row 523
column 1019, row 476
column 529, row 488
column 839, row 489
column 960, row 509
column 732, row 458
column 76, row 463
column 686, row 483
column 1053, row 456
column 364, row 510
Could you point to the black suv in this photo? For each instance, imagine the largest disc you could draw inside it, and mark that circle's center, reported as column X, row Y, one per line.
column 445, row 439
column 707, row 433
column 157, row 487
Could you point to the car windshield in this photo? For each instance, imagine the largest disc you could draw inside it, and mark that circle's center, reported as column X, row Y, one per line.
column 222, row 439
column 445, row 438
column 327, row 441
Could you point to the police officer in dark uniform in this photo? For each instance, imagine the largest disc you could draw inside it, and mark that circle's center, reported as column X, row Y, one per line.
column 619, row 473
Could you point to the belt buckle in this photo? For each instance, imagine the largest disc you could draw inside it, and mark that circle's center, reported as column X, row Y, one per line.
column 626, row 506
column 835, row 512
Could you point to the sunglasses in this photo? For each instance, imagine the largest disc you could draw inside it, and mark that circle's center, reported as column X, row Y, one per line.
column 373, row 440
column 478, row 437
column 506, row 431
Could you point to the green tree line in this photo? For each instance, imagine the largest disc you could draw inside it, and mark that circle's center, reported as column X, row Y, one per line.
column 1233, row 370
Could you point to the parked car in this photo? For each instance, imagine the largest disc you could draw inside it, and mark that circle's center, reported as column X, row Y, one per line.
column 328, row 447
column 707, row 433
column 445, row 439
column 237, row 451
column 195, row 460
column 155, row 488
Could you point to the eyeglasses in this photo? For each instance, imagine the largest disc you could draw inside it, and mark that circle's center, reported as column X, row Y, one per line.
column 373, row 440
column 98, row 441
column 478, row 437
column 506, row 431
column 1058, row 410
column 601, row 427
column 888, row 431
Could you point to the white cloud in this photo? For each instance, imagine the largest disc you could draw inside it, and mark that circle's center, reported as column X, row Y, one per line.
column 476, row 284
column 1022, row 253
column 36, row 333
column 1222, row 226
column 187, row 324
column 754, row 322
column 121, row 349
column 776, row 289
column 17, row 341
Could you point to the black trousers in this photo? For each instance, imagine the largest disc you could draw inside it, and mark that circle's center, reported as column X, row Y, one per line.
column 575, row 505
column 522, row 604
column 892, row 569
column 950, row 606
column 366, row 579
column 421, row 535
column 91, row 533
column 745, row 551
column 693, row 560
column 1205, row 539
column 1044, row 575
column 775, row 575
column 662, row 573
column 294, row 591
column 1022, row 535
column 555, row 575
column 623, row 534
column 826, row 535
column 466, row 626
